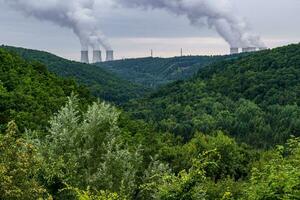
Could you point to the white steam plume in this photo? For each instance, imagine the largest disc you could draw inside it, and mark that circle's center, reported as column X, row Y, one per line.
column 77, row 15
column 218, row 14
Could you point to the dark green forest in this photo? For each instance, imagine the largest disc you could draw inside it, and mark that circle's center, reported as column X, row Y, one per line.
column 230, row 132
column 254, row 99
column 154, row 72
column 101, row 83
column 29, row 93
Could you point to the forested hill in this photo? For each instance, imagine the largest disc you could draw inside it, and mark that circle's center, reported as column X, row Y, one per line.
column 30, row 94
column 153, row 72
column 101, row 83
column 254, row 98
column 93, row 150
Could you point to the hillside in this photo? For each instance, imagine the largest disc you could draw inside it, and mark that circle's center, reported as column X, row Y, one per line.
column 153, row 72
column 29, row 94
column 93, row 150
column 101, row 83
column 254, row 98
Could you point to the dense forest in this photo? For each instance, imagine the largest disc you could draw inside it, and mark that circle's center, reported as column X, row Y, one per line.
column 101, row 83
column 29, row 93
column 154, row 72
column 254, row 98
column 228, row 133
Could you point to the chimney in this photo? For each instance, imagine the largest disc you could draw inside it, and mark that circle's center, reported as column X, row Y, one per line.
column 249, row 49
column 234, row 50
column 97, row 56
column 109, row 55
column 85, row 57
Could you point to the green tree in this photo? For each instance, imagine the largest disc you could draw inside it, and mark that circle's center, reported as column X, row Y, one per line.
column 79, row 194
column 19, row 167
column 85, row 149
column 30, row 94
column 153, row 177
column 277, row 177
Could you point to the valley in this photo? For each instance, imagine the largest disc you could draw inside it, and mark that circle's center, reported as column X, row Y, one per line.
column 224, row 127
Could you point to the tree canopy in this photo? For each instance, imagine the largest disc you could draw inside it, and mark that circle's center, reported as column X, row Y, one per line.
column 254, row 98
column 229, row 133
column 30, row 94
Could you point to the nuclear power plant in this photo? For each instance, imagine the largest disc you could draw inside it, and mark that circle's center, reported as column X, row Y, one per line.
column 85, row 57
column 236, row 50
column 109, row 55
column 97, row 56
column 230, row 26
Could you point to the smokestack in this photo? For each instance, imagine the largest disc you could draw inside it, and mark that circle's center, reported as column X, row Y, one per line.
column 85, row 57
column 81, row 18
column 97, row 57
column 249, row 49
column 234, row 50
column 109, row 55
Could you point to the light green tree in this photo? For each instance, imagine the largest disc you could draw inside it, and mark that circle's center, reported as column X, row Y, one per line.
column 85, row 149
column 277, row 177
column 19, row 167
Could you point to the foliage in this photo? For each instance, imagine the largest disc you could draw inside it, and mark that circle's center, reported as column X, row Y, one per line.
column 95, row 151
column 225, row 189
column 161, row 183
column 100, row 82
column 85, row 149
column 255, row 98
column 19, row 166
column 154, row 72
column 153, row 178
column 208, row 167
column 29, row 94
column 279, row 177
column 229, row 158
column 92, row 195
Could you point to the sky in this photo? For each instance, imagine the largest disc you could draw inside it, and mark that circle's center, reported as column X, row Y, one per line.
column 134, row 32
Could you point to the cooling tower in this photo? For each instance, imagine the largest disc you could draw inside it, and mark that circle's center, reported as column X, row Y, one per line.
column 84, row 56
column 97, row 57
column 234, row 50
column 109, row 55
column 249, row 49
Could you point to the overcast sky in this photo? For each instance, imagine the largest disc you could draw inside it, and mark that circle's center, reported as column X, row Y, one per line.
column 133, row 32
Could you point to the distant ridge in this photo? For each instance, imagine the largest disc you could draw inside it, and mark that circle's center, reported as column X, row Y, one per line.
column 255, row 98
column 154, row 72
column 101, row 83
column 30, row 94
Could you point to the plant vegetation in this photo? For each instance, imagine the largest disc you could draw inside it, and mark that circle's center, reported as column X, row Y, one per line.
column 202, row 139
column 254, row 98
column 154, row 72
column 101, row 83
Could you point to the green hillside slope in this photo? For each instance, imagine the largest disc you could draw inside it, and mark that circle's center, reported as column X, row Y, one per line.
column 96, row 151
column 153, row 72
column 102, row 84
column 255, row 98
column 29, row 94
